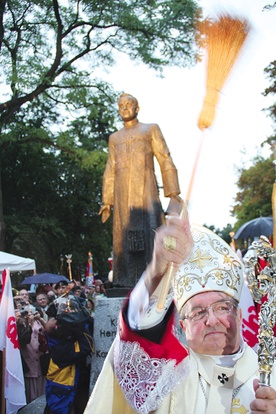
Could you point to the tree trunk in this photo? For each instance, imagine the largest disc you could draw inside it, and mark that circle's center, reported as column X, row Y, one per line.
column 2, row 10
column 2, row 222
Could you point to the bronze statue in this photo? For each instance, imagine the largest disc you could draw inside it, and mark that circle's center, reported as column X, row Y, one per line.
column 130, row 188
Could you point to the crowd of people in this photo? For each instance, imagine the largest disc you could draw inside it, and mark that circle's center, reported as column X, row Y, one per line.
column 55, row 331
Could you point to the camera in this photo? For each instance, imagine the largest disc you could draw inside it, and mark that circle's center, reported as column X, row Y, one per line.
column 28, row 309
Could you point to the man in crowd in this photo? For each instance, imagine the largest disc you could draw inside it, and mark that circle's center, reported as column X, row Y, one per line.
column 42, row 305
column 79, row 293
column 154, row 373
column 76, row 291
column 62, row 289
column 24, row 294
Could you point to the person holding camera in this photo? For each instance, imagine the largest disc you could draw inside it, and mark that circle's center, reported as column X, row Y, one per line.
column 30, row 331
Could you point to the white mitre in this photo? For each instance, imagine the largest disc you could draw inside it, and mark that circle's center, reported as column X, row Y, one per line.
column 212, row 266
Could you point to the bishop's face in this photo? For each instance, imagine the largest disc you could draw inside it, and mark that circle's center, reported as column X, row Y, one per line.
column 128, row 108
column 215, row 333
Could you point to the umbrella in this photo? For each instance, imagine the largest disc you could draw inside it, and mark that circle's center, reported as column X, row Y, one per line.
column 46, row 278
column 261, row 226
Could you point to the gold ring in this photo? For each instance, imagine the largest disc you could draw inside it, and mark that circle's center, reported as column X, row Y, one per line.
column 169, row 243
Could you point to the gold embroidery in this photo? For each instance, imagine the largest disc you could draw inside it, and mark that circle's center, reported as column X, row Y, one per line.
column 212, row 265
column 201, row 258
column 237, row 407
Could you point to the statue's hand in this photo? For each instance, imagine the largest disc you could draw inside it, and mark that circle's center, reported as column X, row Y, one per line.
column 105, row 212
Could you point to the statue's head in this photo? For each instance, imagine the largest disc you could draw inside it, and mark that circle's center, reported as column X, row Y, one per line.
column 128, row 107
column 129, row 97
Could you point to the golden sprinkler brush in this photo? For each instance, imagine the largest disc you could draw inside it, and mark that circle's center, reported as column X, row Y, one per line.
column 223, row 40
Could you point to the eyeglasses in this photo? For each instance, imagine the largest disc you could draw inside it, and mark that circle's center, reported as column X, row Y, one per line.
column 220, row 308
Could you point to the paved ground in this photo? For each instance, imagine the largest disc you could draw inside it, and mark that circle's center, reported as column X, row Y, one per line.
column 35, row 407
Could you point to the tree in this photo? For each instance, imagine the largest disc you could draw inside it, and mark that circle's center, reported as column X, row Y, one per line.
column 255, row 191
column 157, row 33
column 256, row 183
column 51, row 50
column 223, row 233
column 270, row 71
column 2, row 8
column 51, row 207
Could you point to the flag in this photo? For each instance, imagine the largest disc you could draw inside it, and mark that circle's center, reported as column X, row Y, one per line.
column 89, row 271
column 250, row 324
column 89, row 265
column 14, row 387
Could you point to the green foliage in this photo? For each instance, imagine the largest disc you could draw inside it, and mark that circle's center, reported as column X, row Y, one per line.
column 270, row 71
column 56, row 114
column 270, row 6
column 255, row 191
column 54, row 47
column 223, row 233
column 51, row 208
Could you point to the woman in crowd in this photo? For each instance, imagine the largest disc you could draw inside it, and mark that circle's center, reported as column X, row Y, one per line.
column 30, row 336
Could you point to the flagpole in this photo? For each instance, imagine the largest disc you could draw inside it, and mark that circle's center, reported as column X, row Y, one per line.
column 3, row 401
column 69, row 261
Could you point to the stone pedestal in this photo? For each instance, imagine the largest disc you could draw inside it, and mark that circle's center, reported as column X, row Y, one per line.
column 105, row 329
column 118, row 292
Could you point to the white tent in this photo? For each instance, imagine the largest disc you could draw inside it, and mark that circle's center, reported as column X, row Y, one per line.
column 15, row 263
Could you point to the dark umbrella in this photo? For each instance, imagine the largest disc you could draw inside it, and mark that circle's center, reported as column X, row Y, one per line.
column 46, row 278
column 261, row 226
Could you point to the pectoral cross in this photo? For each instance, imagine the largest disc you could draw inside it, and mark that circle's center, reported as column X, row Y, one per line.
column 237, row 407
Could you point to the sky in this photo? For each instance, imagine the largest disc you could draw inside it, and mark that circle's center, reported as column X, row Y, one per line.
column 240, row 125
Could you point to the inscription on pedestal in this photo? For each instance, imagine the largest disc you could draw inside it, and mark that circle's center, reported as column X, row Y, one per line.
column 105, row 328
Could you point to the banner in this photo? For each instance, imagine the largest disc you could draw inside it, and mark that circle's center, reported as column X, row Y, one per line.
column 250, row 324
column 13, row 381
column 89, row 280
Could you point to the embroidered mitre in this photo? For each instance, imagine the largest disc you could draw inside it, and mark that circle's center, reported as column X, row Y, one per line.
column 212, row 266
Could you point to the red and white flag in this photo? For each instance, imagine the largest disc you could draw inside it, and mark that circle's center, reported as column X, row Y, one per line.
column 14, row 387
column 250, row 323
